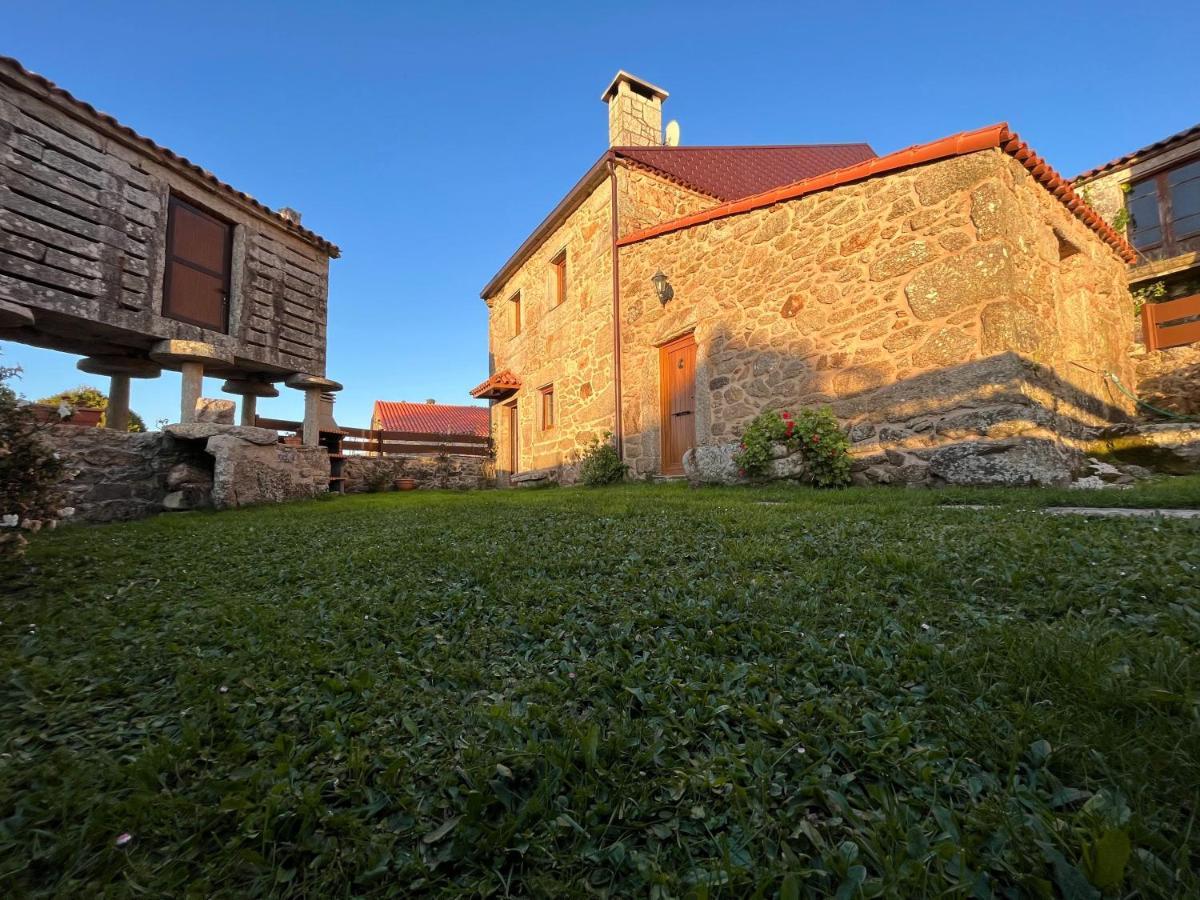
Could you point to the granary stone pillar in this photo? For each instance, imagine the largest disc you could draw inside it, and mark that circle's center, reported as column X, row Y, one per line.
column 119, row 370
column 249, row 389
column 313, row 387
column 190, row 357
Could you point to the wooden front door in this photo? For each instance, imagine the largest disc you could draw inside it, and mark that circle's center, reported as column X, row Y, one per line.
column 677, row 377
column 514, row 431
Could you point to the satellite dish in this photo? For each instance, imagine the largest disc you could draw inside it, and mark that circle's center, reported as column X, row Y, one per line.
column 672, row 134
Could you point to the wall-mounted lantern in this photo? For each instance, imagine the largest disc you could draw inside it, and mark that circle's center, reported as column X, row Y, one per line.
column 662, row 287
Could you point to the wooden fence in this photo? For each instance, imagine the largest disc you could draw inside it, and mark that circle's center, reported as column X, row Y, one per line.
column 1171, row 323
column 376, row 442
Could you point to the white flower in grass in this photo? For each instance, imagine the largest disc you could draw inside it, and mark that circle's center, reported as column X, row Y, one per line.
column 801, row 750
column 123, row 839
column 924, row 626
column 223, row 689
column 841, row 634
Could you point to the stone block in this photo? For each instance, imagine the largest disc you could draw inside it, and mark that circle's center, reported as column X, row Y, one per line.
column 942, row 288
column 215, row 411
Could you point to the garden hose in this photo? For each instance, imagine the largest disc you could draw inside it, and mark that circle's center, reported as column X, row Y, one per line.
column 1112, row 376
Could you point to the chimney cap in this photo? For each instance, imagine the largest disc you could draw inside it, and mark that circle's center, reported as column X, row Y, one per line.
column 638, row 85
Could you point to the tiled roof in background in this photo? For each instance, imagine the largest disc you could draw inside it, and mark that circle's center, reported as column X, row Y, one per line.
column 431, row 418
column 1148, row 150
column 730, row 173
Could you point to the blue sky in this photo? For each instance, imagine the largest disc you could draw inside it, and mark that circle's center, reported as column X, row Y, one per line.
column 429, row 140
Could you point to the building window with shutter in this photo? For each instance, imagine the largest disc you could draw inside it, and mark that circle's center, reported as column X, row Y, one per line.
column 547, row 407
column 198, row 263
column 558, row 277
column 1165, row 208
column 515, row 313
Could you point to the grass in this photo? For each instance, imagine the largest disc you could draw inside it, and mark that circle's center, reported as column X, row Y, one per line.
column 638, row 691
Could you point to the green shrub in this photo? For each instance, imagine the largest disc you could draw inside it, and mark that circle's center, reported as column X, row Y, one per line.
column 599, row 463
column 85, row 397
column 29, row 472
column 815, row 432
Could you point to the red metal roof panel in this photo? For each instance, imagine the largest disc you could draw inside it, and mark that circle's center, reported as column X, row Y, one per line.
column 730, row 173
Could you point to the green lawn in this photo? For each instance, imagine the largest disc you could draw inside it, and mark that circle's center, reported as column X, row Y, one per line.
column 640, row 691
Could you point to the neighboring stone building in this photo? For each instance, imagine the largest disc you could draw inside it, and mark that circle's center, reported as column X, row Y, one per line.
column 1153, row 194
column 955, row 294
column 117, row 249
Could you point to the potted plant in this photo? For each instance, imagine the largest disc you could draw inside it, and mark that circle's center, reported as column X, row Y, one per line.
column 405, row 484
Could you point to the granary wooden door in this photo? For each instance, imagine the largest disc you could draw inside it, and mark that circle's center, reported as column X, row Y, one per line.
column 199, row 247
column 514, row 433
column 677, row 378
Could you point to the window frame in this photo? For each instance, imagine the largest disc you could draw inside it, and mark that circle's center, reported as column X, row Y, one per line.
column 514, row 315
column 558, row 268
column 1168, row 239
column 546, row 402
column 175, row 200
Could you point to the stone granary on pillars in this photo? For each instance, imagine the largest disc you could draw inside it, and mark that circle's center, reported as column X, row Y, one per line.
column 951, row 301
column 117, row 249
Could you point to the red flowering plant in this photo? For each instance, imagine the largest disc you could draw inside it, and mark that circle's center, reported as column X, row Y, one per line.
column 815, row 432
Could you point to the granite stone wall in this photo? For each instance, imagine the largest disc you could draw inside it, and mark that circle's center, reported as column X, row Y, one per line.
column 953, row 300
column 570, row 345
column 452, row 472
column 115, row 476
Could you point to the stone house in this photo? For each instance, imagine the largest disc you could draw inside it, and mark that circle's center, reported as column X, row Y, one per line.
column 1153, row 194
column 117, row 249
column 956, row 303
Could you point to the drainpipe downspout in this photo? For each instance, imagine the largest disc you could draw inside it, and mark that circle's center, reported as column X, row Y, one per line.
column 618, row 429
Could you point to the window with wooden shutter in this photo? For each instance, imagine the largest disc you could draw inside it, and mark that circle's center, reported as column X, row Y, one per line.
column 199, row 251
column 547, row 407
column 558, row 277
column 516, row 313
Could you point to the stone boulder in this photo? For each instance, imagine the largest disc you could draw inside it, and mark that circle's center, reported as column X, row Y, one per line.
column 712, row 464
column 247, row 473
column 1013, row 462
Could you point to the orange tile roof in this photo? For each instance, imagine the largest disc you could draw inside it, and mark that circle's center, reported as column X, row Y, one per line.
column 994, row 136
column 499, row 385
column 431, row 418
column 90, row 112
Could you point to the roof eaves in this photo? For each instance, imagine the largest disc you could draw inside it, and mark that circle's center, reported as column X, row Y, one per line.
column 82, row 109
column 992, row 137
column 1134, row 157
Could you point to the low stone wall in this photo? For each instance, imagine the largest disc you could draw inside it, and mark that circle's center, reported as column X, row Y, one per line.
column 366, row 473
column 114, row 476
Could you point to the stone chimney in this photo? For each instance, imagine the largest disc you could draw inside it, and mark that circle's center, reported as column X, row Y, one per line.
column 634, row 112
column 290, row 215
